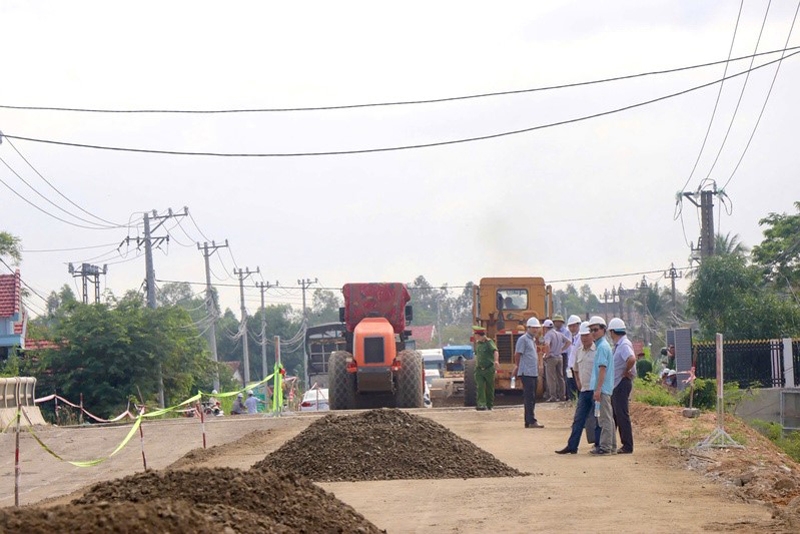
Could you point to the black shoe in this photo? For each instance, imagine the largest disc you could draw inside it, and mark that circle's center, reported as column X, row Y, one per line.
column 623, row 450
column 534, row 425
column 599, row 452
column 567, row 450
column 481, row 408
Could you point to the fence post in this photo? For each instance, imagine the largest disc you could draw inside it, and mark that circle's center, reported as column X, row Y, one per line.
column 788, row 363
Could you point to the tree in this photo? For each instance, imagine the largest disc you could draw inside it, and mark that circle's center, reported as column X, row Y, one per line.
column 10, row 247
column 727, row 296
column 725, row 245
column 778, row 255
column 110, row 354
column 325, row 306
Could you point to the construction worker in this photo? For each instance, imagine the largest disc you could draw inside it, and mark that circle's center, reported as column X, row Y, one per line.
column 487, row 360
column 556, row 344
column 624, row 373
column 573, row 325
column 526, row 366
column 559, row 326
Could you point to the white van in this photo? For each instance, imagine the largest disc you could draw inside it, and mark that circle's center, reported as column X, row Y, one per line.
column 433, row 360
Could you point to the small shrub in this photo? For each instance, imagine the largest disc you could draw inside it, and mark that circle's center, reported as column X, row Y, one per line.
column 652, row 393
column 705, row 395
column 789, row 442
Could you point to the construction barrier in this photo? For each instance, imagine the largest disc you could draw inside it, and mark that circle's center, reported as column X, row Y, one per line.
column 18, row 391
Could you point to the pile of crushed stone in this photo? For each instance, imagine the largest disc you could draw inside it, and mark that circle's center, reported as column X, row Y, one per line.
column 208, row 500
column 386, row 444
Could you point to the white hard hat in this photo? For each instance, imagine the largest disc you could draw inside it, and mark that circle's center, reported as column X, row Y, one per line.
column 547, row 323
column 573, row 319
column 672, row 372
column 239, row 395
column 616, row 324
column 596, row 319
column 533, row 321
column 584, row 328
column 249, row 391
column 214, row 391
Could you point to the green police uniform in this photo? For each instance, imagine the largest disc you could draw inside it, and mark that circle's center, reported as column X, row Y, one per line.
column 484, row 372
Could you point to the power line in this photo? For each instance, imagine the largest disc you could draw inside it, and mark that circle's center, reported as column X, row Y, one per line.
column 738, row 102
column 399, row 102
column 43, row 250
column 393, row 148
column 764, row 106
column 716, row 102
column 58, row 191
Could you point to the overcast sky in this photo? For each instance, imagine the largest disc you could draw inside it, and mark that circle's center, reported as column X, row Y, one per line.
column 581, row 200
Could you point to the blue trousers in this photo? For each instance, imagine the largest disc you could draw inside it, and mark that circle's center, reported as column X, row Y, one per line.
column 583, row 411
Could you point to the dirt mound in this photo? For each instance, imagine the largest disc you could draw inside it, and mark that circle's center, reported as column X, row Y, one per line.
column 386, row 444
column 260, row 501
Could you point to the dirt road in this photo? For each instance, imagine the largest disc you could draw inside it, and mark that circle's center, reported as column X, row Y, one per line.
column 642, row 492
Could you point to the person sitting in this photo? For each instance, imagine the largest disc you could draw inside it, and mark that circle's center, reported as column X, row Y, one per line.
column 238, row 406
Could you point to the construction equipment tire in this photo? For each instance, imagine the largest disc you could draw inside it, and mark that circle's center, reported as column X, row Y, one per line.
column 341, row 384
column 470, row 387
column 410, row 380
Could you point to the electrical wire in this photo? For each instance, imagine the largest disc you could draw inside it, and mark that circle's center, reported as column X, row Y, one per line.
column 89, row 247
column 764, row 106
column 400, row 102
column 397, row 147
column 716, row 102
column 43, row 210
column 741, row 96
column 112, row 224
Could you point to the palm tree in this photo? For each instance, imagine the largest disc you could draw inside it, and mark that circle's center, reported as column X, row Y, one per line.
column 725, row 245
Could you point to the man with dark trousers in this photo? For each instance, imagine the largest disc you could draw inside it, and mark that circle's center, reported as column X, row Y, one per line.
column 624, row 372
column 526, row 366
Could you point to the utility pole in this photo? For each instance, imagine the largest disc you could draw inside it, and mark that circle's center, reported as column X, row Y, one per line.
column 304, row 284
column 85, row 272
column 705, row 246
column 211, row 307
column 150, row 273
column 672, row 273
column 243, row 274
column 263, row 286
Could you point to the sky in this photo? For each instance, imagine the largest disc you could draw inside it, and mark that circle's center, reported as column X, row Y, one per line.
column 582, row 201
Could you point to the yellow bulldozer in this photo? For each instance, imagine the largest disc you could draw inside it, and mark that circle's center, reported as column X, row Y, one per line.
column 502, row 306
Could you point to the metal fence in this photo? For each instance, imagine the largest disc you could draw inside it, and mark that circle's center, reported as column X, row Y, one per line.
column 752, row 363
column 796, row 360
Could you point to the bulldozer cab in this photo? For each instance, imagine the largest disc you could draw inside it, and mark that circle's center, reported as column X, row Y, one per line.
column 503, row 306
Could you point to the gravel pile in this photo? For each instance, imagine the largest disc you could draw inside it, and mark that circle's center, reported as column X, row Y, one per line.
column 385, row 444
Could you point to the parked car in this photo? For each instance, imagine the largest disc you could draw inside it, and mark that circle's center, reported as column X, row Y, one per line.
column 315, row 400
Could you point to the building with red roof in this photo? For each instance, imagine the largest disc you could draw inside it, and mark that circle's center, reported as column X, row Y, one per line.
column 13, row 319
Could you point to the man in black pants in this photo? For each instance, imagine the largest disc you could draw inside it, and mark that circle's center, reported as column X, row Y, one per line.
column 624, row 372
column 526, row 366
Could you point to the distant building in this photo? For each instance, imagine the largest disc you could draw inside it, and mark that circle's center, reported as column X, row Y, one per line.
column 424, row 336
column 13, row 318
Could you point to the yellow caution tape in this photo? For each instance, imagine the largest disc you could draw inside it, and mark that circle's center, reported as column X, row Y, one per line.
column 234, row 393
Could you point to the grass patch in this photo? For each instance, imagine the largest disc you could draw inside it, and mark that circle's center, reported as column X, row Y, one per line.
column 789, row 442
column 647, row 390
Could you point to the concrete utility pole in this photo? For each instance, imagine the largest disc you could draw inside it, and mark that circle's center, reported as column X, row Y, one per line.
column 263, row 286
column 304, row 284
column 243, row 274
column 150, row 273
column 672, row 273
column 211, row 308
column 85, row 272
column 705, row 246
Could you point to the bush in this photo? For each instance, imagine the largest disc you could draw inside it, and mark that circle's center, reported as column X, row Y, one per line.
column 705, row 395
column 648, row 391
column 789, row 443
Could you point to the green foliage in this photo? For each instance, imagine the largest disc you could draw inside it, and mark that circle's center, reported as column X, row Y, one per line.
column 648, row 390
column 789, row 442
column 705, row 395
column 10, row 247
column 728, row 296
column 11, row 366
column 778, row 255
column 109, row 354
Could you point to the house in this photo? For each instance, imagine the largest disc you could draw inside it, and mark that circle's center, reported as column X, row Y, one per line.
column 424, row 336
column 13, row 318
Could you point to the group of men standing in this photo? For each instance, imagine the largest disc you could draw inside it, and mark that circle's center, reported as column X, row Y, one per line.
column 601, row 376
column 604, row 377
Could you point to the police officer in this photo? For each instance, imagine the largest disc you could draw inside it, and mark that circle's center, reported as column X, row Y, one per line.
column 487, row 360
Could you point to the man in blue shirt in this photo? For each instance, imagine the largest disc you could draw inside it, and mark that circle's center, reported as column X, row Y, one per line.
column 602, row 383
column 526, row 366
